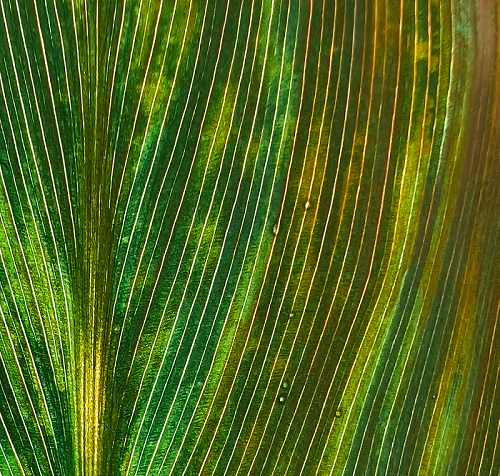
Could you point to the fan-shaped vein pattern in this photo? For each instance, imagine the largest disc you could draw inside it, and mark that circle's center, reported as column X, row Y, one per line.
column 249, row 237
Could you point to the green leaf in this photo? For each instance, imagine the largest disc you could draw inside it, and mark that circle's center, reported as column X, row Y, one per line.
column 244, row 237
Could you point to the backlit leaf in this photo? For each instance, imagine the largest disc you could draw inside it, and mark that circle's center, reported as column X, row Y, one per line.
column 249, row 237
